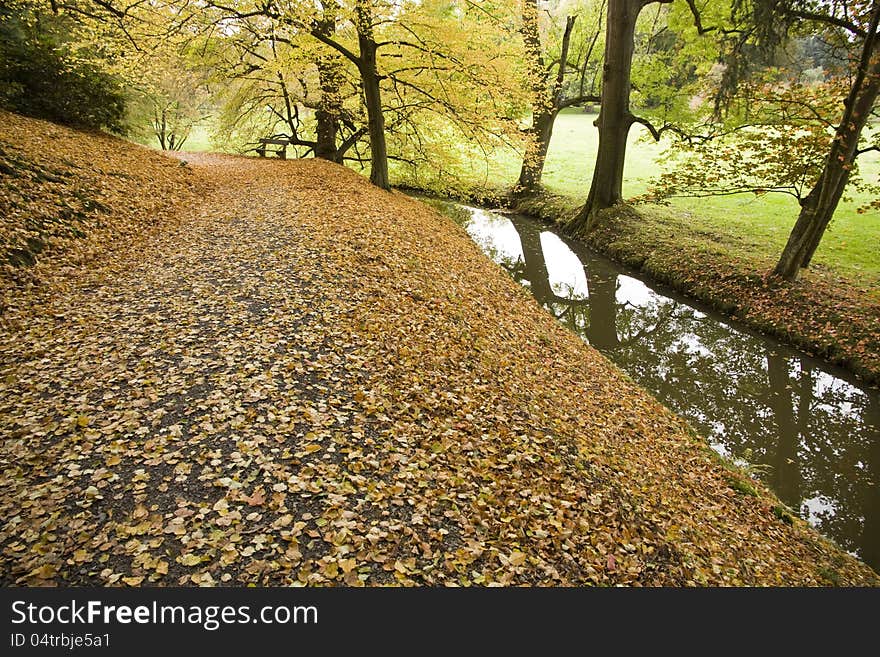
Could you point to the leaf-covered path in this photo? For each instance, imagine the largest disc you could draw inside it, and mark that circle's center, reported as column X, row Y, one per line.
column 306, row 379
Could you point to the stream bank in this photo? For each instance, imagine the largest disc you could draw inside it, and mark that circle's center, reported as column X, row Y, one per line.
column 820, row 313
column 808, row 430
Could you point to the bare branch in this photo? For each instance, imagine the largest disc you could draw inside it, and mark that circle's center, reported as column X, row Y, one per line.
column 827, row 19
column 698, row 21
column 655, row 132
column 579, row 100
column 338, row 47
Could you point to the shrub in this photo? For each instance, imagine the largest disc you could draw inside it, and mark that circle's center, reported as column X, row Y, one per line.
column 44, row 75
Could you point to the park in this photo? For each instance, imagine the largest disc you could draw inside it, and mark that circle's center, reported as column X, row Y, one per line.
column 440, row 293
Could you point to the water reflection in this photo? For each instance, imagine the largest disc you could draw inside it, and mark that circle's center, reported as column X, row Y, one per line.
column 810, row 430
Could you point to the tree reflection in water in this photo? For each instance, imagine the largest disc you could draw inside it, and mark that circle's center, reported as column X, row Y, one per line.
column 810, row 431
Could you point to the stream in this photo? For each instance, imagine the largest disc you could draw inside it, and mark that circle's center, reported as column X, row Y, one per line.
column 809, row 430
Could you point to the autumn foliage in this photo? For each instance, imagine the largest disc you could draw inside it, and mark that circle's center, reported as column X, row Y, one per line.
column 69, row 198
column 300, row 378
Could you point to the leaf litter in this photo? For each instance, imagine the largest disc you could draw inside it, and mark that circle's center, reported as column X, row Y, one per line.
column 285, row 376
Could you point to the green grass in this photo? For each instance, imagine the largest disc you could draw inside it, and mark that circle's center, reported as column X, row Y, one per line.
column 199, row 140
column 743, row 224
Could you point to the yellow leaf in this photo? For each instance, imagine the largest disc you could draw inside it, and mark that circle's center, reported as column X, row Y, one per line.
column 133, row 581
column 46, row 571
column 202, row 579
column 351, row 579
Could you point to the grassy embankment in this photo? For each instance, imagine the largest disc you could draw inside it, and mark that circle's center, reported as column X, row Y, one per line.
column 719, row 250
column 740, row 226
column 294, row 377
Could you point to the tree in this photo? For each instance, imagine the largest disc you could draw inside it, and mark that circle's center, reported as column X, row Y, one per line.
column 366, row 62
column 778, row 128
column 330, row 111
column 48, row 70
column 820, row 204
column 615, row 118
column 426, row 57
column 276, row 80
column 773, row 138
column 173, row 97
column 550, row 93
column 420, row 68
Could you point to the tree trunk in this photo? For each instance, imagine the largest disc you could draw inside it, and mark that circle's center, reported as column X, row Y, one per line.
column 820, row 204
column 615, row 118
column 545, row 99
column 539, row 143
column 372, row 96
column 327, row 114
column 160, row 130
column 330, row 108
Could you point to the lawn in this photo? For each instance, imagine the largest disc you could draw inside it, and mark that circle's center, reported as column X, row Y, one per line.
column 755, row 227
column 746, row 226
column 199, row 140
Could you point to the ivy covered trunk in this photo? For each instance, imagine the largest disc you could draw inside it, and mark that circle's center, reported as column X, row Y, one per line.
column 533, row 162
column 546, row 98
column 327, row 115
column 372, row 96
column 329, row 111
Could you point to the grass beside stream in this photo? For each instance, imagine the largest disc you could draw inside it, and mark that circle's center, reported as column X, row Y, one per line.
column 744, row 226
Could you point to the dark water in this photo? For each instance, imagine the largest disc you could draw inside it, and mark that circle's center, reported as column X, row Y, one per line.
column 809, row 430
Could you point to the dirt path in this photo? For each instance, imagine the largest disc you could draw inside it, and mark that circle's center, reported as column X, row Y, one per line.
column 309, row 380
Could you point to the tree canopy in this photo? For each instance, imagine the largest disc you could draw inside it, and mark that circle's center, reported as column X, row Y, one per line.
column 750, row 96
